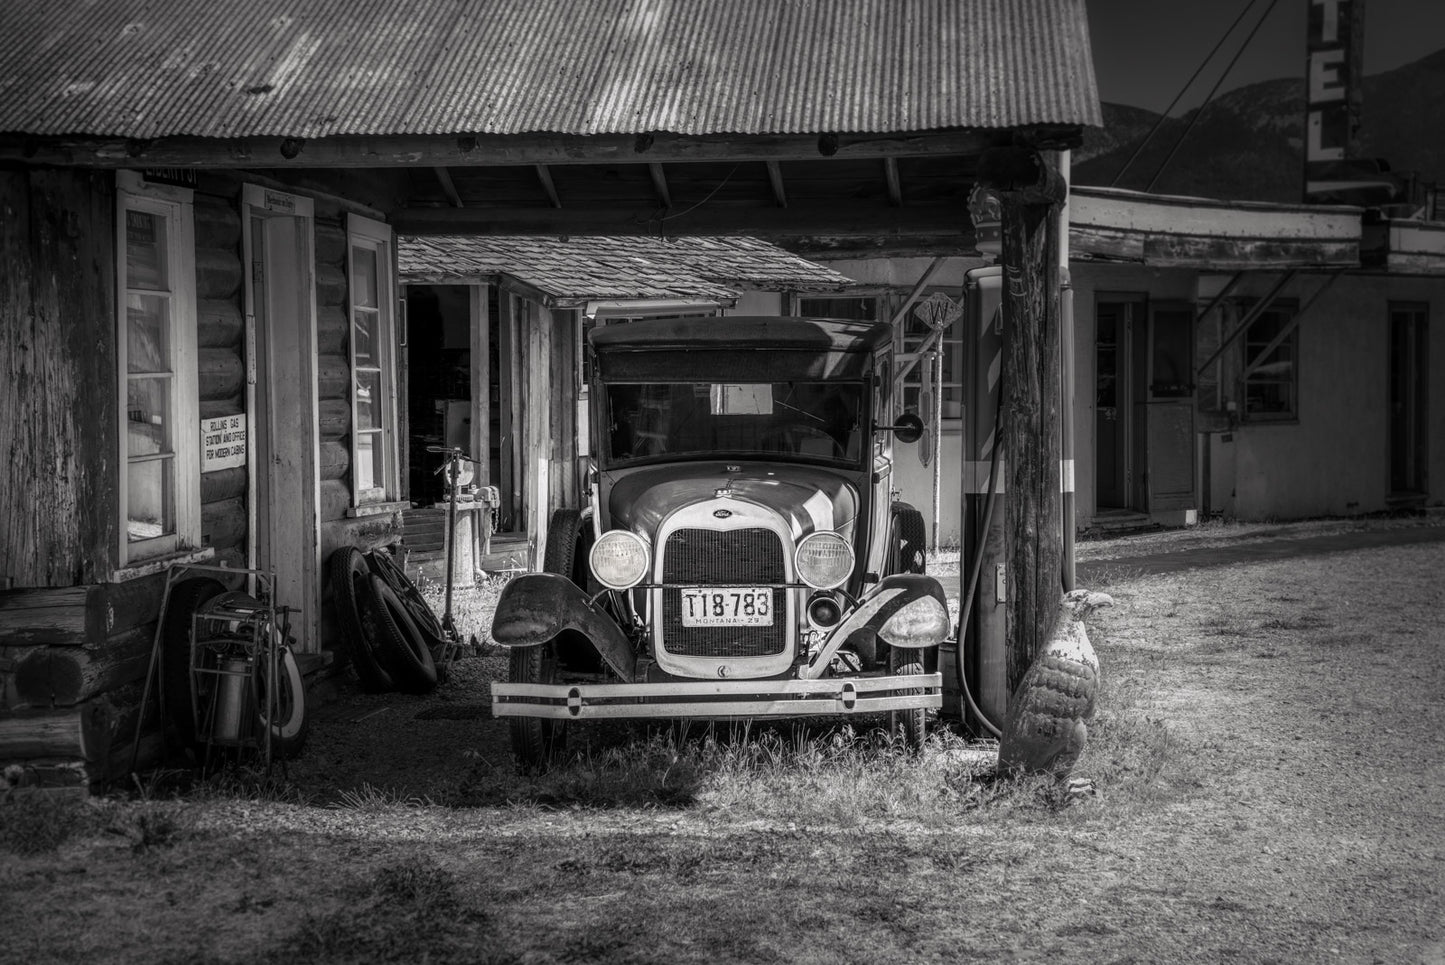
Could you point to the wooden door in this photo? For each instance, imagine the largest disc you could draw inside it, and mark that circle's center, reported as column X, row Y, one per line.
column 285, row 485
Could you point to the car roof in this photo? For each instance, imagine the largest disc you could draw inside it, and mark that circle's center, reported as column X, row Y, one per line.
column 732, row 332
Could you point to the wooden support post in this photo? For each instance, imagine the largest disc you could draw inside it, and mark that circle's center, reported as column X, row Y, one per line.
column 1030, row 193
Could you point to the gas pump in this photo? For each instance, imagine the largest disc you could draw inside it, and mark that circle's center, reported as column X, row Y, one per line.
column 984, row 588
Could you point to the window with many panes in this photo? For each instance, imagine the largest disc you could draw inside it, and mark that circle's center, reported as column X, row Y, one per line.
column 373, row 365
column 1271, row 365
column 908, row 341
column 156, row 356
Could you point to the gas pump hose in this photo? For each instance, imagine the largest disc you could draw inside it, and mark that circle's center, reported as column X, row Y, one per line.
column 970, row 590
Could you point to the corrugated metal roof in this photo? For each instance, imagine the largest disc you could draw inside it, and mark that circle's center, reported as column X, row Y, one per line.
column 314, row 68
column 606, row 267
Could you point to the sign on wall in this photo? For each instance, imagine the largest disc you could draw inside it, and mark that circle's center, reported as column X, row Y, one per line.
column 223, row 442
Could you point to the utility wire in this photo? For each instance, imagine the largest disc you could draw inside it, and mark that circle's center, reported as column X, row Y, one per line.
column 1177, row 97
column 1212, row 91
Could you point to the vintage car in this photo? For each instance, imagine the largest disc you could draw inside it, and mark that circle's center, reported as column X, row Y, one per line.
column 739, row 554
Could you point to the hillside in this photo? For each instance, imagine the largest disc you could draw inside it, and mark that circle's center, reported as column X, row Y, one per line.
column 1248, row 144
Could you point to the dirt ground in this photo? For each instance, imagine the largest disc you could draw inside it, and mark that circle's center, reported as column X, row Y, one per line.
column 1269, row 758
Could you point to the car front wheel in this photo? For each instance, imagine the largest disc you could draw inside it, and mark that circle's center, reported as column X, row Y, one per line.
column 912, row 722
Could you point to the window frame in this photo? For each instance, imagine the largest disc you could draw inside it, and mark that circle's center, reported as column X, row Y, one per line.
column 376, row 236
column 176, row 206
column 1286, row 310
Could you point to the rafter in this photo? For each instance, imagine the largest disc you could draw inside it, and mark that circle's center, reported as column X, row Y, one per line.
column 895, row 186
column 545, row 176
column 775, row 178
column 659, row 184
column 445, row 178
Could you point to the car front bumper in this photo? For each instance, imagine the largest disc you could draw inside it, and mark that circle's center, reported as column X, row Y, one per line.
column 719, row 699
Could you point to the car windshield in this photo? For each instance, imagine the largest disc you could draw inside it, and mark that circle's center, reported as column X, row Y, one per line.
column 814, row 421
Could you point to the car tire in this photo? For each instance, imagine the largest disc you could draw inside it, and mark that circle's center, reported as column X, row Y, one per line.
column 351, row 596
column 908, row 547
column 385, row 566
column 537, row 743
column 177, row 685
column 569, row 540
column 400, row 647
column 913, row 723
column 288, row 731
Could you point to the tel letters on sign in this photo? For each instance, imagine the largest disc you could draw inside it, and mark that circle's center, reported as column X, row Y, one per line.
column 223, row 442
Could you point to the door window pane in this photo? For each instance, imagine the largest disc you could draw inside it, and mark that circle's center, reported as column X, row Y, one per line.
column 149, row 487
column 147, row 405
column 148, row 335
column 368, row 461
column 363, row 280
column 364, row 328
column 368, row 399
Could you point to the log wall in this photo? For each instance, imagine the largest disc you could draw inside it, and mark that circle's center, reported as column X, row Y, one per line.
column 221, row 366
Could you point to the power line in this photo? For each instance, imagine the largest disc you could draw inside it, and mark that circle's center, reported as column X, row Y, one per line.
column 1212, row 91
column 1177, row 97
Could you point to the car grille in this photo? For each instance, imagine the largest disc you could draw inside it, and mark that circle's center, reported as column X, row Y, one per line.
column 740, row 557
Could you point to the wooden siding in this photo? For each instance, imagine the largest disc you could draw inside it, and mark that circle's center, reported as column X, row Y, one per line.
column 58, row 484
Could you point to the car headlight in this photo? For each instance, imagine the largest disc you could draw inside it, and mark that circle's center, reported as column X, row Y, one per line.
column 824, row 560
column 619, row 559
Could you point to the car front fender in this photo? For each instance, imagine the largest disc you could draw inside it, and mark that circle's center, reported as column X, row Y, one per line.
column 906, row 610
column 535, row 607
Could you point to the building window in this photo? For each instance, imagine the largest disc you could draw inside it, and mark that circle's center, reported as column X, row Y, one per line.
column 853, row 308
column 908, row 340
column 374, row 467
column 1271, row 365
column 156, row 361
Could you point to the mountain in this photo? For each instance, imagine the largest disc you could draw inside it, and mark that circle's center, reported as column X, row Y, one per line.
column 1248, row 144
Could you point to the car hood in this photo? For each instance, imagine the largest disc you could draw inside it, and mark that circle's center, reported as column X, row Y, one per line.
column 810, row 499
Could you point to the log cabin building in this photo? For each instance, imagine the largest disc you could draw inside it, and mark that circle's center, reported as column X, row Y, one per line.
column 200, row 323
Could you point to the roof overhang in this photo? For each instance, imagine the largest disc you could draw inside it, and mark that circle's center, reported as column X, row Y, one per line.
column 1115, row 225
column 1406, row 247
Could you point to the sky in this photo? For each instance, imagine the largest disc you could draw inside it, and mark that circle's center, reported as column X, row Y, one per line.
column 1145, row 50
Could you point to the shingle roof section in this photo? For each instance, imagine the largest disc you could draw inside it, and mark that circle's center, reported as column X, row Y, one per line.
column 606, row 267
column 316, row 68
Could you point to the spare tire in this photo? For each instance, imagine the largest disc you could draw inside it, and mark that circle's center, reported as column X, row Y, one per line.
column 288, row 730
column 351, row 596
column 177, row 688
column 385, row 566
column 400, row 647
column 908, row 552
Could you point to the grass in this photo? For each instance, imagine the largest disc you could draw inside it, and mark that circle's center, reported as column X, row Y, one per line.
column 1257, row 753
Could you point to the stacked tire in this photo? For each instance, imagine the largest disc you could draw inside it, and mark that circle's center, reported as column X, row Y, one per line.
column 388, row 628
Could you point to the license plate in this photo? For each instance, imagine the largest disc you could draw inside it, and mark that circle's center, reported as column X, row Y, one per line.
column 727, row 606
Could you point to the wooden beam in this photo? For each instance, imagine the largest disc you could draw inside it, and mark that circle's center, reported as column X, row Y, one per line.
column 545, row 177
column 914, row 245
column 775, row 178
column 1293, row 324
column 445, row 177
column 1030, row 193
column 1257, row 309
column 895, row 186
column 659, row 184
column 495, row 149
column 857, row 218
